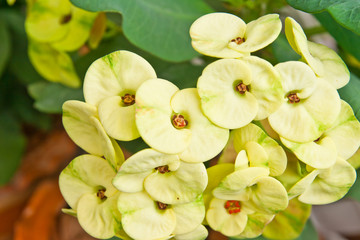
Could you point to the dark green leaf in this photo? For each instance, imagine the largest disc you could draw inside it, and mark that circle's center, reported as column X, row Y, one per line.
column 282, row 50
column 348, row 40
column 12, row 145
column 347, row 13
column 5, row 46
column 160, row 27
column 351, row 94
column 49, row 97
column 134, row 145
column 354, row 191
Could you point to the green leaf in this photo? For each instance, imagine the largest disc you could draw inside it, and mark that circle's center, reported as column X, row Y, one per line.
column 347, row 13
column 49, row 97
column 134, row 145
column 351, row 92
column 12, row 146
column 347, row 39
column 282, row 50
column 160, row 27
column 354, row 191
column 5, row 46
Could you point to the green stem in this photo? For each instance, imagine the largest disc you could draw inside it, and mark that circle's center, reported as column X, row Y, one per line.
column 314, row 30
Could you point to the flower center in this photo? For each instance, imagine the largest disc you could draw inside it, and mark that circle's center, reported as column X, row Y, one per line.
column 242, row 88
column 293, row 98
column 101, row 194
column 232, row 206
column 65, row 19
column 128, row 99
column 238, row 40
column 163, row 169
column 161, row 206
column 179, row 121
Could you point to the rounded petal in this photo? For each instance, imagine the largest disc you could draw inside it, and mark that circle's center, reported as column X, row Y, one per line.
column 153, row 117
column 100, row 219
column 317, row 110
column 180, row 186
column 298, row 41
column 220, row 102
column 141, row 219
column 207, row 139
column 43, row 22
column 220, row 220
column 199, row 233
column 330, row 185
column 345, row 132
column 212, row 33
column 320, row 154
column 118, row 120
column 79, row 28
column 131, row 176
column 256, row 154
column 242, row 160
column 216, row 174
column 277, row 160
column 256, row 224
column 269, row 195
column 84, row 128
column 85, row 174
column 335, row 70
column 266, row 86
column 259, row 33
column 302, row 184
column 116, row 74
column 189, row 216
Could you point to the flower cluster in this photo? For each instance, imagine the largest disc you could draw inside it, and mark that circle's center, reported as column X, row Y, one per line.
column 284, row 135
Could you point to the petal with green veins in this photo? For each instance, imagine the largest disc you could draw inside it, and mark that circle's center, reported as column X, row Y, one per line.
column 302, row 184
column 345, row 132
column 220, row 101
column 255, row 225
column 135, row 169
column 318, row 154
column 266, row 86
column 335, row 70
column 115, row 74
column 220, row 220
column 188, row 216
column 53, row 65
column 207, row 139
column 259, row 33
column 153, row 117
column 276, row 155
column 199, row 233
column 180, row 186
column 139, row 211
column 330, row 185
column 317, row 109
column 269, row 195
column 118, row 120
column 84, row 128
column 85, row 174
column 99, row 218
column 212, row 33
column 216, row 174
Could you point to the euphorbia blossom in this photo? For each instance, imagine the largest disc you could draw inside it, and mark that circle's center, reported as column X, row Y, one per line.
column 86, row 186
column 164, row 177
column 234, row 92
column 110, row 84
column 171, row 121
column 144, row 218
column 224, row 35
column 310, row 105
column 324, row 61
column 341, row 139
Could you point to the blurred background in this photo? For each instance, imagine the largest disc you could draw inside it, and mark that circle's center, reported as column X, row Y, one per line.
column 44, row 55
